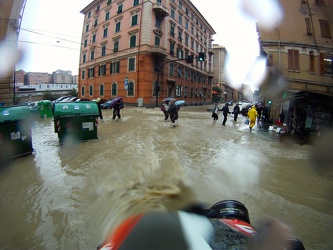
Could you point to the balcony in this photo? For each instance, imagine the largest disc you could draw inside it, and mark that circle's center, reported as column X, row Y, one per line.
column 158, row 50
column 160, row 10
column 210, row 51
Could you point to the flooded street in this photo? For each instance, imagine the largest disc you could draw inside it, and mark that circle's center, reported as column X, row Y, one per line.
column 71, row 196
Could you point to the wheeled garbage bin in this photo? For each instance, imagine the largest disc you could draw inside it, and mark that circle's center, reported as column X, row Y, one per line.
column 15, row 132
column 45, row 109
column 76, row 121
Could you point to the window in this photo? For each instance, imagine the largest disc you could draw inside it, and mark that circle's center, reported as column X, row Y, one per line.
column 95, row 22
column 173, row 13
column 116, row 46
column 178, row 90
column 85, row 43
column 120, row 9
column 92, row 55
column 118, row 26
column 293, row 59
column 186, row 25
column 134, row 19
column 308, row 26
column 91, row 90
column 312, row 62
column 93, row 38
column 83, row 74
column 180, row 20
column 91, row 73
column 105, row 32
column 114, row 67
column 114, row 89
column 180, row 5
column 103, row 50
column 84, row 58
column 82, row 90
column 179, row 72
column 172, row 30
column 131, row 64
column 109, row 2
column 325, row 29
column 158, row 22
column 326, row 64
column 132, row 41
column 107, row 15
column 101, row 89
column 102, row 70
column 172, row 48
column 171, row 69
column 130, row 90
column 157, row 40
column 180, row 35
column 136, row 2
column 89, row 14
column 87, row 27
column 186, row 40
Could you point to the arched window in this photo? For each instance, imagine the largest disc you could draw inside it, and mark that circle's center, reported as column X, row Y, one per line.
column 91, row 90
column 130, row 90
column 82, row 90
column 101, row 89
column 114, row 89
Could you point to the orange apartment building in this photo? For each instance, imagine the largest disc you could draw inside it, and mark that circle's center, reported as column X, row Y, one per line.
column 129, row 46
column 300, row 49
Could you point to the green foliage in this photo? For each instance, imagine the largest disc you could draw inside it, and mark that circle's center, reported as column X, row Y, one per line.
column 73, row 92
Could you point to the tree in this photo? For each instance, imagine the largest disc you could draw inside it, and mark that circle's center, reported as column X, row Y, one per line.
column 73, row 92
column 48, row 96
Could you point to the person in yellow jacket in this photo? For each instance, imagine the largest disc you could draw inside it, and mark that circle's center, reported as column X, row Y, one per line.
column 252, row 114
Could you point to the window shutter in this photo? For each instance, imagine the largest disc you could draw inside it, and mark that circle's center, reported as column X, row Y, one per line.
column 321, row 64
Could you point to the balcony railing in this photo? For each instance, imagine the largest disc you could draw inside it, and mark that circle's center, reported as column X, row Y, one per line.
column 160, row 10
column 158, row 50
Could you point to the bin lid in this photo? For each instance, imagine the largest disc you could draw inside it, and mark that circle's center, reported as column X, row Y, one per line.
column 75, row 109
column 14, row 113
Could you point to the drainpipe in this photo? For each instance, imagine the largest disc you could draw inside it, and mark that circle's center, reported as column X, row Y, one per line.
column 139, row 46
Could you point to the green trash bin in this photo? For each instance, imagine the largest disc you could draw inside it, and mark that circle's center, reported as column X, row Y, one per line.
column 45, row 109
column 76, row 121
column 15, row 132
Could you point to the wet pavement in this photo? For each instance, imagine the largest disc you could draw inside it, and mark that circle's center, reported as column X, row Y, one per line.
column 72, row 195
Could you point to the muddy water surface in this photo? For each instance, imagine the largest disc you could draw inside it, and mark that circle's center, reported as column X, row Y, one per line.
column 71, row 196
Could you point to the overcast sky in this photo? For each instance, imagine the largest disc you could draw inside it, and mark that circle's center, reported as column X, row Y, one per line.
column 51, row 31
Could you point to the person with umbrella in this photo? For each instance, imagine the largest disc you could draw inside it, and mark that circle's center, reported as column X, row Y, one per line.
column 165, row 109
column 173, row 111
column 116, row 110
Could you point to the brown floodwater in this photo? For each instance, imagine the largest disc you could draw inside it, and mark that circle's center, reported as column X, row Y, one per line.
column 71, row 196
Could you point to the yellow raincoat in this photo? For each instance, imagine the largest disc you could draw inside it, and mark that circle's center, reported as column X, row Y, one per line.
column 252, row 114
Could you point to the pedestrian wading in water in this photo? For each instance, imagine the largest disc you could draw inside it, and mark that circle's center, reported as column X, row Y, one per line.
column 116, row 110
column 225, row 112
column 173, row 111
column 165, row 109
column 215, row 113
column 236, row 112
column 252, row 114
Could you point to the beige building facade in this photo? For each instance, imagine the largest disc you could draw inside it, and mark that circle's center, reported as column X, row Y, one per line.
column 300, row 49
column 129, row 46
column 11, row 12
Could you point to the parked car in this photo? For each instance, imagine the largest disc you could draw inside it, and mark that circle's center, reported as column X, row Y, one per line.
column 106, row 105
column 69, row 99
column 60, row 99
column 82, row 100
column 229, row 103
